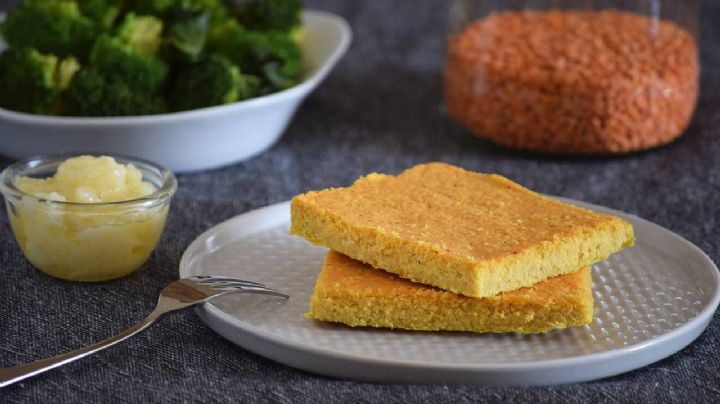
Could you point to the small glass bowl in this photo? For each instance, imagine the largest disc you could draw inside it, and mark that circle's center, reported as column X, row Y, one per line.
column 86, row 242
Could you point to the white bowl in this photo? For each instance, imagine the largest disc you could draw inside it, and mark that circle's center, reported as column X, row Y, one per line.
column 191, row 140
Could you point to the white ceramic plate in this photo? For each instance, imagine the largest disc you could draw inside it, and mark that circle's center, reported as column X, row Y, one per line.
column 651, row 300
column 191, row 140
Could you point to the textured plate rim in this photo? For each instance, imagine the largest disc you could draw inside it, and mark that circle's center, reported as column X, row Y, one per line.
column 514, row 373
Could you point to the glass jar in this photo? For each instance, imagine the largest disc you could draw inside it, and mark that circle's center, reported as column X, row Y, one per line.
column 86, row 241
column 573, row 77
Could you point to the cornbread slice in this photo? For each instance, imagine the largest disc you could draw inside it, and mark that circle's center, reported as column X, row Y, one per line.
column 353, row 293
column 469, row 233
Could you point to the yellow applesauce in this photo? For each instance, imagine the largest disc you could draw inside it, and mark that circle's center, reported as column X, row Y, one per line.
column 92, row 238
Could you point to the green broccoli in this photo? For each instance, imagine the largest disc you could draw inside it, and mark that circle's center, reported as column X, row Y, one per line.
column 278, row 15
column 221, row 30
column 30, row 81
column 114, row 59
column 186, row 35
column 213, row 81
column 65, row 72
column 50, row 26
column 151, row 7
column 186, row 24
column 217, row 10
column 103, row 12
column 273, row 56
column 214, row 52
column 214, row 8
column 141, row 34
column 92, row 94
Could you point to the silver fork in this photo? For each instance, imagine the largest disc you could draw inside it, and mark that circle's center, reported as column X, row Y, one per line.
column 178, row 295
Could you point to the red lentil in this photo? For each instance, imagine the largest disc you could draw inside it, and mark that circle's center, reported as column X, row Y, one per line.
column 573, row 82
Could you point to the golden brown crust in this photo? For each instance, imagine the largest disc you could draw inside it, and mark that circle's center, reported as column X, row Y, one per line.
column 475, row 234
column 353, row 293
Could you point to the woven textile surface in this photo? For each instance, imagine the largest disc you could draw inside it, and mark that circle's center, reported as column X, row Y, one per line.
column 379, row 110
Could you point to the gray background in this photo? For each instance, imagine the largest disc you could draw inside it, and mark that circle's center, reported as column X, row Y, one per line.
column 378, row 111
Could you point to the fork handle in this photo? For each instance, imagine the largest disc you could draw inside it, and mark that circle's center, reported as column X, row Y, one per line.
column 14, row 374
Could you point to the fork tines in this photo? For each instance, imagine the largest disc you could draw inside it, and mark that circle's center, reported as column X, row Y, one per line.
column 222, row 283
column 213, row 280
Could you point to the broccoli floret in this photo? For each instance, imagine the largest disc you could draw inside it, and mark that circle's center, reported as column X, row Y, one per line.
column 280, row 15
column 153, row 7
column 65, row 72
column 103, row 12
column 186, row 24
column 186, row 35
column 92, row 94
column 217, row 10
column 218, row 55
column 141, row 34
column 111, row 57
column 213, row 81
column 273, row 56
column 30, row 81
column 222, row 30
column 27, row 80
column 50, row 26
column 214, row 8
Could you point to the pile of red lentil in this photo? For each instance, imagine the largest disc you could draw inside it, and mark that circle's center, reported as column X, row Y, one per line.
column 573, row 82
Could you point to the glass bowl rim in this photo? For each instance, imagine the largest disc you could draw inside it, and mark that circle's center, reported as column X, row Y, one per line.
column 165, row 191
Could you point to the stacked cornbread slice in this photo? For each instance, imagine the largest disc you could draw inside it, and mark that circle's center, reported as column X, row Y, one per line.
column 441, row 248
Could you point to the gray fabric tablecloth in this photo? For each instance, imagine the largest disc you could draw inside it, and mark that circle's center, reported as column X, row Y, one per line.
column 378, row 111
